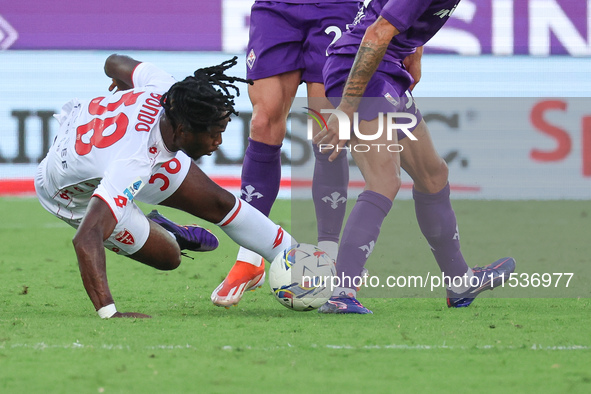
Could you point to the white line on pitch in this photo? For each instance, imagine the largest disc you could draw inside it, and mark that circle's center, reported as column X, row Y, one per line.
column 78, row 345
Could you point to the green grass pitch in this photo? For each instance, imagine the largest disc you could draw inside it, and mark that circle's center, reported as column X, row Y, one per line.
column 52, row 341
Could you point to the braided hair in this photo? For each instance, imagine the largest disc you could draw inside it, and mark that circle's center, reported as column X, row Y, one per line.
column 204, row 99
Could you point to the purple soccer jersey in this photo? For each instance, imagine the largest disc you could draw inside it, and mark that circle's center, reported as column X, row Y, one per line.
column 311, row 1
column 417, row 21
column 294, row 35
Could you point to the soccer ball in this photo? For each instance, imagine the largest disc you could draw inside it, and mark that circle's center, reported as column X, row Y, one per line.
column 301, row 276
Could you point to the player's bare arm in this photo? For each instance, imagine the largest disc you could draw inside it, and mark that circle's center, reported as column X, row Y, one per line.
column 412, row 63
column 120, row 69
column 97, row 226
column 369, row 56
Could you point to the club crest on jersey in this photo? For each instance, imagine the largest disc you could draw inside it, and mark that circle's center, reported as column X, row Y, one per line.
column 250, row 59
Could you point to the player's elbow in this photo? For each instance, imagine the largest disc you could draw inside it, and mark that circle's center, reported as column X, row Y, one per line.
column 79, row 244
column 85, row 242
column 381, row 31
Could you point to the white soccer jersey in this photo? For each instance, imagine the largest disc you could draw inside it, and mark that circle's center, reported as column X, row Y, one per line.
column 109, row 147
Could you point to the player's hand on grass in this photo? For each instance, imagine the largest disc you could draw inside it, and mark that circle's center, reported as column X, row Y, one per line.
column 131, row 314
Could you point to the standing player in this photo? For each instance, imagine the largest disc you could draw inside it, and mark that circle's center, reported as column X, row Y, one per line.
column 138, row 144
column 372, row 61
column 287, row 45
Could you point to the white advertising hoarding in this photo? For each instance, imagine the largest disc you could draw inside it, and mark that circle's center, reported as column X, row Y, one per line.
column 533, row 144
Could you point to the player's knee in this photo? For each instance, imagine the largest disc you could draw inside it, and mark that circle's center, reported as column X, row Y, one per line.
column 440, row 175
column 434, row 179
column 388, row 184
column 220, row 207
column 173, row 263
column 392, row 184
column 267, row 126
column 169, row 261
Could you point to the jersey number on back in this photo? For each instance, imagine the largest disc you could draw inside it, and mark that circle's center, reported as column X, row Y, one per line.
column 116, row 126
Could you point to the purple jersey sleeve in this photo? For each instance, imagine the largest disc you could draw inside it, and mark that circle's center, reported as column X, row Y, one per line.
column 312, row 1
column 402, row 14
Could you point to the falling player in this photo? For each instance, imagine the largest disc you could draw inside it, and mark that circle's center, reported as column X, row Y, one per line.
column 137, row 144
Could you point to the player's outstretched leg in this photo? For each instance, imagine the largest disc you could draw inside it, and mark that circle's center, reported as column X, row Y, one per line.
column 242, row 277
column 254, row 231
column 344, row 304
column 437, row 221
column 193, row 237
column 485, row 278
column 261, row 176
column 359, row 238
column 329, row 192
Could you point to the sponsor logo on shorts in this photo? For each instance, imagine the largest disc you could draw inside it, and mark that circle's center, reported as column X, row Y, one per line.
column 392, row 100
column 125, row 237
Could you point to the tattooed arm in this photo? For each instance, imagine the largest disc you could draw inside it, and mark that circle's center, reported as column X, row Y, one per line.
column 370, row 54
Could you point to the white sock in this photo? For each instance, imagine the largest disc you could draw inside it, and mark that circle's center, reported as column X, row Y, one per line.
column 352, row 293
column 465, row 285
column 330, row 247
column 253, row 230
column 248, row 256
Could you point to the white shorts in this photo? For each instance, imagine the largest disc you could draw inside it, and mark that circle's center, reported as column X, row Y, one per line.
column 132, row 231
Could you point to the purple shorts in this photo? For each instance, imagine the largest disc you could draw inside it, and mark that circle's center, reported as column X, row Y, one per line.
column 287, row 37
column 387, row 91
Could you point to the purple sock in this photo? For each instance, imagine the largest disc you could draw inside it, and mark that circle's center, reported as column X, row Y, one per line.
column 329, row 192
column 361, row 233
column 261, row 175
column 437, row 221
